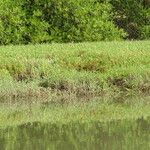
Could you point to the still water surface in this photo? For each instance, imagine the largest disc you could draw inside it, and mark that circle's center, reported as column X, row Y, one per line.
column 115, row 135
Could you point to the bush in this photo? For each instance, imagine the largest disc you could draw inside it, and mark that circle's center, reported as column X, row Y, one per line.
column 41, row 21
column 133, row 16
column 46, row 21
column 18, row 28
column 145, row 32
column 11, row 23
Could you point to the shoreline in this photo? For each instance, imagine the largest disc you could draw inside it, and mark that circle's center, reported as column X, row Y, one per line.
column 65, row 74
column 77, row 113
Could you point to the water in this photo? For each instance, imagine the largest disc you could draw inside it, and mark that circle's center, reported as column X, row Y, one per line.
column 115, row 135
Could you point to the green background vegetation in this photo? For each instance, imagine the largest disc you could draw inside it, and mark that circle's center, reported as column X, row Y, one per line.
column 46, row 21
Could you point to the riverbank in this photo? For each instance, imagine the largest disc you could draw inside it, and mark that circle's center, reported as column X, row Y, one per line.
column 47, row 82
column 11, row 116
column 72, row 71
column 130, row 133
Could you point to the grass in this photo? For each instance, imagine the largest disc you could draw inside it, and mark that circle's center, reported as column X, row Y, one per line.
column 69, row 114
column 106, row 69
column 114, row 73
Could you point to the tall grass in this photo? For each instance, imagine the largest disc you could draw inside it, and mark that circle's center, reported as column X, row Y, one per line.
column 69, row 114
column 66, row 72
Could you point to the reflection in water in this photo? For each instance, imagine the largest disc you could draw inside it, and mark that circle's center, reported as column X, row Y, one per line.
column 120, row 135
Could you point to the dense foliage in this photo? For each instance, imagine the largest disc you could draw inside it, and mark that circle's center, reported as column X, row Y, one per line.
column 133, row 16
column 42, row 21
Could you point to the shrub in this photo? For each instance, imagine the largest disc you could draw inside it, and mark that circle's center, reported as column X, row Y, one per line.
column 41, row 21
column 16, row 27
column 133, row 16
column 145, row 32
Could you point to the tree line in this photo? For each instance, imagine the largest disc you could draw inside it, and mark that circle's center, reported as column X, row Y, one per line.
column 46, row 21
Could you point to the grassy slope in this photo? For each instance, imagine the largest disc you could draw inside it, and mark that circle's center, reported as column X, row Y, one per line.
column 103, row 69
column 106, row 71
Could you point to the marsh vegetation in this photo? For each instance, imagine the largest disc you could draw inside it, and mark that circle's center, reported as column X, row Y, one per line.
column 68, row 80
column 110, row 70
column 85, row 95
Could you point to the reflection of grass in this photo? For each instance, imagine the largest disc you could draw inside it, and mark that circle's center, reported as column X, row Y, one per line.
column 83, row 113
column 73, row 71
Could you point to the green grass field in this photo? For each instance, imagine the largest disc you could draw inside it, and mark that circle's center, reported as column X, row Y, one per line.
column 107, row 73
column 70, row 71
